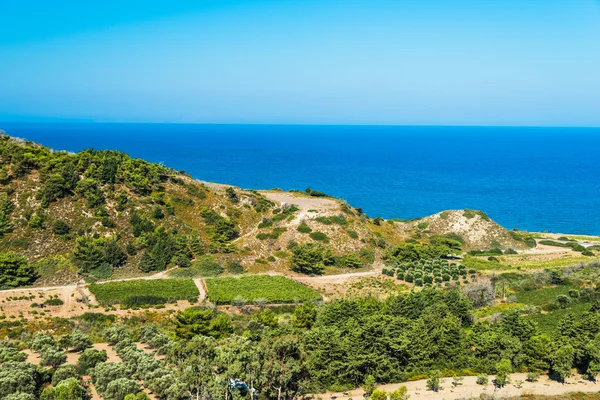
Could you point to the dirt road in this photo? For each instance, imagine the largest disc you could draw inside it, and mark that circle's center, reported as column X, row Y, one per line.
column 470, row 389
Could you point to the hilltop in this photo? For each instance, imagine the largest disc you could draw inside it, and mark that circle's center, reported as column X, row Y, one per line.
column 102, row 214
column 474, row 229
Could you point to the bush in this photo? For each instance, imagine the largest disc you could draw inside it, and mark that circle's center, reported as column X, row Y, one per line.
column 60, row 227
column 54, row 302
column 319, row 236
column 205, row 266
column 303, row 228
column 104, row 271
column 235, row 267
column 15, row 271
column 483, row 380
column 533, row 377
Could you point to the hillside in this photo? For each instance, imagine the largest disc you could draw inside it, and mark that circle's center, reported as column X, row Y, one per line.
column 102, row 214
column 472, row 228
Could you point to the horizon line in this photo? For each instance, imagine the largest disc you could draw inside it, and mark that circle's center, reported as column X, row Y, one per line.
column 90, row 122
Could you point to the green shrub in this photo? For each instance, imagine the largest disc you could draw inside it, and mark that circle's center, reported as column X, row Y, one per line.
column 324, row 220
column 104, row 271
column 235, row 267
column 319, row 236
column 273, row 235
column 303, row 228
column 315, row 193
column 54, row 302
column 204, row 267
column 353, row 234
column 60, row 227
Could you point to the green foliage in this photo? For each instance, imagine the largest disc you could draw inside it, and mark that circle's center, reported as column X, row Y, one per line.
column 52, row 357
column 304, row 228
column 369, row 385
column 232, row 195
column 220, row 229
column 206, row 266
column 482, row 379
column 315, row 193
column 472, row 213
column 64, row 373
column 89, row 359
column 197, row 321
column 273, row 235
column 60, row 227
column 119, row 292
column 379, row 395
column 503, row 371
column 304, row 315
column 68, row 389
column 319, row 236
column 88, row 253
column 563, row 362
column 157, row 212
column 434, row 381
column 113, row 254
column 54, row 302
column 9, row 352
column 275, row 289
column 5, row 224
column 415, row 252
column 310, row 258
column 235, row 267
column 400, row 394
column 15, row 271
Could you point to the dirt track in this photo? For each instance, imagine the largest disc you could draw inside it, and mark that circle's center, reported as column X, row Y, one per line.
column 469, row 389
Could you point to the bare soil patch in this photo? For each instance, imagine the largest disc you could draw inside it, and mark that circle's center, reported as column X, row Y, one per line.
column 469, row 389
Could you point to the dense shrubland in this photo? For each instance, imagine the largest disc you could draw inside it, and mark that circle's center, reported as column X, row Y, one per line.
column 426, row 334
column 107, row 211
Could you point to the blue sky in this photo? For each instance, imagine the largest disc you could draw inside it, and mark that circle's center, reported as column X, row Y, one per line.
column 419, row 62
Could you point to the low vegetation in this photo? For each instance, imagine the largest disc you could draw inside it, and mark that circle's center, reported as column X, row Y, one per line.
column 272, row 289
column 141, row 292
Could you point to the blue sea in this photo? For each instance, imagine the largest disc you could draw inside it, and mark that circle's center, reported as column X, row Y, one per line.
column 536, row 179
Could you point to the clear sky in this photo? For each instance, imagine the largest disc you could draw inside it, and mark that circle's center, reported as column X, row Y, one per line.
column 416, row 62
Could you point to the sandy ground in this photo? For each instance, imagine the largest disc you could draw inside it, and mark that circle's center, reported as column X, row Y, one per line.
column 201, row 285
column 304, row 203
column 469, row 389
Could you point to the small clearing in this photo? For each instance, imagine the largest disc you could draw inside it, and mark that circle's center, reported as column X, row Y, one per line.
column 305, row 203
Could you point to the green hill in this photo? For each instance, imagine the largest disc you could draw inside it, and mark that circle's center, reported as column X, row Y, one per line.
column 102, row 214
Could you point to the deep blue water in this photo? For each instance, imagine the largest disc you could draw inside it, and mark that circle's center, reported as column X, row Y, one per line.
column 536, row 179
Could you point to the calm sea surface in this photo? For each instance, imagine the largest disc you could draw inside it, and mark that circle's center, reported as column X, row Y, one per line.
column 536, row 179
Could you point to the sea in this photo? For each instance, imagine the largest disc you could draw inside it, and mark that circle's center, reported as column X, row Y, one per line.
column 534, row 179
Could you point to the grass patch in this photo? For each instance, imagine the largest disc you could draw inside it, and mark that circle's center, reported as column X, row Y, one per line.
column 273, row 235
column 275, row 289
column 548, row 323
column 206, row 266
column 170, row 290
column 541, row 297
